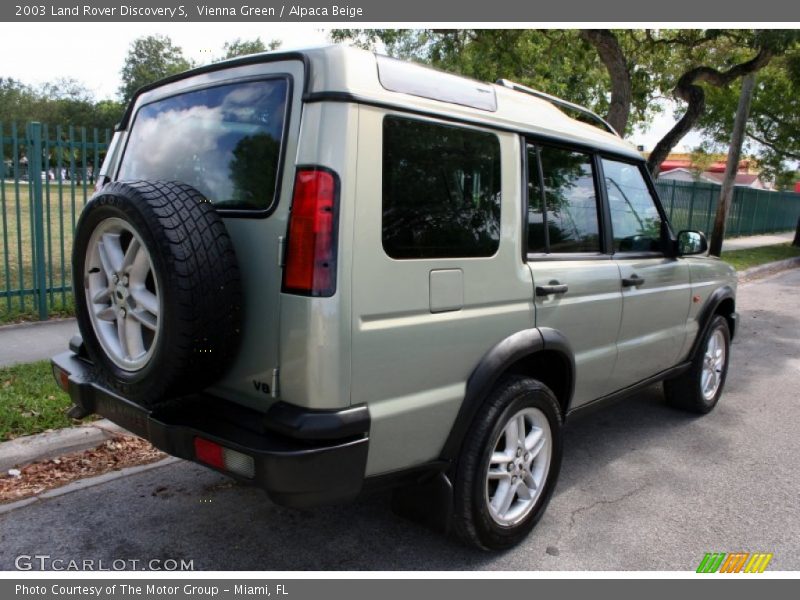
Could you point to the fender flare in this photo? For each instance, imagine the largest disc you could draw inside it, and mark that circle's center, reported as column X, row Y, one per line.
column 492, row 366
column 706, row 313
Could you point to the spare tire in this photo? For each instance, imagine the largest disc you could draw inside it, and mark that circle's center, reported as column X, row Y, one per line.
column 157, row 290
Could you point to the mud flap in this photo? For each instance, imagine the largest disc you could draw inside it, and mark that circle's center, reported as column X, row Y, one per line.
column 428, row 502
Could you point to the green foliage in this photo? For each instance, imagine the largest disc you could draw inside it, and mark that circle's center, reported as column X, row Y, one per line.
column 149, row 59
column 557, row 62
column 61, row 102
column 240, row 47
column 30, row 400
column 773, row 130
column 560, row 62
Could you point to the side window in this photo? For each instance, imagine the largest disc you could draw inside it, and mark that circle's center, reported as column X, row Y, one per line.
column 562, row 202
column 441, row 190
column 634, row 217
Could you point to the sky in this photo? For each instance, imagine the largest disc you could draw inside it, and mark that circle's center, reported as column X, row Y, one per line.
column 94, row 53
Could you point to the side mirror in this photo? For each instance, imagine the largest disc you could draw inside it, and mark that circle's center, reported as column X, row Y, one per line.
column 691, row 242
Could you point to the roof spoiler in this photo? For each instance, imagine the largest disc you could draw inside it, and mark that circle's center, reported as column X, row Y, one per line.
column 518, row 87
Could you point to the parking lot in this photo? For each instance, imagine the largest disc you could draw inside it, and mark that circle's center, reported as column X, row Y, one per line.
column 642, row 487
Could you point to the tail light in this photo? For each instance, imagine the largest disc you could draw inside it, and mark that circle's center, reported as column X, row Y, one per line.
column 62, row 378
column 310, row 267
column 223, row 458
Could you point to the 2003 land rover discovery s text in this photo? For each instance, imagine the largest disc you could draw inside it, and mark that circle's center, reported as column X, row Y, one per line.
column 326, row 270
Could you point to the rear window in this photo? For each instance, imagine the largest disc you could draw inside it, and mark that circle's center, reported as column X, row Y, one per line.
column 225, row 141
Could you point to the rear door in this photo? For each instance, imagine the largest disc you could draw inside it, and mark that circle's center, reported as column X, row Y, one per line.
column 229, row 133
column 438, row 276
column 656, row 290
column 576, row 283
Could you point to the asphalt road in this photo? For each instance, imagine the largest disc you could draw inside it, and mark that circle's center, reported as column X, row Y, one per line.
column 642, row 487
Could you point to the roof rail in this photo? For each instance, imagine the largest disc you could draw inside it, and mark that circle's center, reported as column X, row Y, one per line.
column 518, row 87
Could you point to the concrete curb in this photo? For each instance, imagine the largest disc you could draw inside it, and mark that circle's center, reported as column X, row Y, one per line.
column 39, row 324
column 30, row 448
column 772, row 267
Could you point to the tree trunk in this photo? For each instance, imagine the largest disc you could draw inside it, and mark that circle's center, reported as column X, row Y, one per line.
column 608, row 49
column 732, row 166
column 690, row 92
column 796, row 241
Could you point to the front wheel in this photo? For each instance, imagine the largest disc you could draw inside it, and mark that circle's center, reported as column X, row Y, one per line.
column 509, row 464
column 699, row 389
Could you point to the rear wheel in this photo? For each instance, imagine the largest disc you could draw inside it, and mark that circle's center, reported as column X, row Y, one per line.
column 509, row 464
column 157, row 290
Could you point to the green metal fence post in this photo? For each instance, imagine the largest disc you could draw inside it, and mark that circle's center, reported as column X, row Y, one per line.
column 766, row 223
column 711, row 191
column 35, row 181
column 672, row 200
column 72, row 173
column 18, row 210
column 691, row 209
column 85, row 175
column 739, row 206
column 60, row 175
column 6, row 265
column 48, row 219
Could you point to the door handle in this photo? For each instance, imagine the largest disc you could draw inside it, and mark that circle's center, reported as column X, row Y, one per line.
column 554, row 287
column 632, row 281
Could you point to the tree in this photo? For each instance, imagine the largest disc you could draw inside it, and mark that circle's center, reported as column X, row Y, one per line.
column 732, row 165
column 557, row 62
column 701, row 161
column 240, row 47
column 625, row 74
column 711, row 57
column 61, row 102
column 689, row 90
column 17, row 100
column 149, row 59
column 613, row 57
column 773, row 130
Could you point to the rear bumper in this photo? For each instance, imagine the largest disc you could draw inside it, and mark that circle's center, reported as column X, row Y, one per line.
column 301, row 458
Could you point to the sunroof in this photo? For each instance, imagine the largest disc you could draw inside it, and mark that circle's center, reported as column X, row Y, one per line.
column 409, row 78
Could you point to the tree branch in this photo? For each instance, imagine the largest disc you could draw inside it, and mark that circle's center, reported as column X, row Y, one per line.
column 774, row 146
column 688, row 90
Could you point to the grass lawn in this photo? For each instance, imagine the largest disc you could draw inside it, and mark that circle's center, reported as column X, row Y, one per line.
column 750, row 257
column 30, row 401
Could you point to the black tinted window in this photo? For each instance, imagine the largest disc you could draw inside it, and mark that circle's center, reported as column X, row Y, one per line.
column 441, row 190
column 225, row 141
column 567, row 221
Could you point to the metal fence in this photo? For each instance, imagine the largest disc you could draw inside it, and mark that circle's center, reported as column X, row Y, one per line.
column 46, row 177
column 693, row 205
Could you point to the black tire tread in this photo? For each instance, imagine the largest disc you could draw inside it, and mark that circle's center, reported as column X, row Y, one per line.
column 683, row 392
column 199, row 269
column 465, row 526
